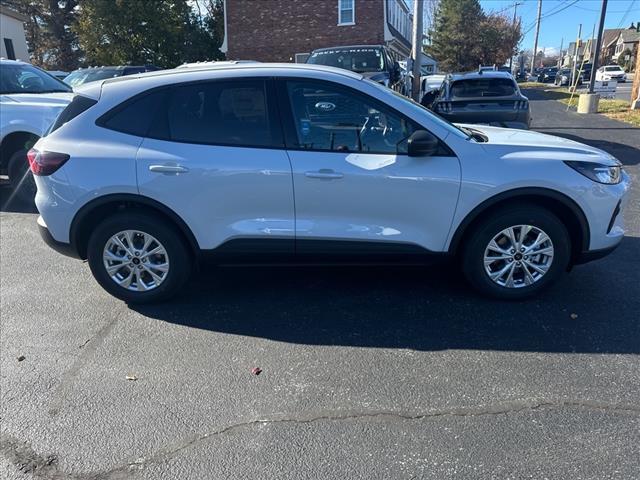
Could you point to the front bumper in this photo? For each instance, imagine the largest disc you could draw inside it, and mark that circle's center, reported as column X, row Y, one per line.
column 60, row 247
column 591, row 255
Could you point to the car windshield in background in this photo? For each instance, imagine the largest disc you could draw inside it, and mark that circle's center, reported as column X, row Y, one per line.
column 355, row 59
column 483, row 87
column 27, row 79
column 81, row 77
column 612, row 69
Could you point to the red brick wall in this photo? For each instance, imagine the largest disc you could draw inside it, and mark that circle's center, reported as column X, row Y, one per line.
column 275, row 30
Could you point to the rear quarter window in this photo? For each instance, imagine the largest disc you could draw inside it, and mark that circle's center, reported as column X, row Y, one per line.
column 78, row 105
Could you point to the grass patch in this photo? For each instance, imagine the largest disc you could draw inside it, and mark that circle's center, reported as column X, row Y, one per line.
column 628, row 116
column 531, row 85
column 610, row 107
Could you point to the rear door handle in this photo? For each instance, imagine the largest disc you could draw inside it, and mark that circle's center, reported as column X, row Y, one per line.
column 168, row 169
column 325, row 174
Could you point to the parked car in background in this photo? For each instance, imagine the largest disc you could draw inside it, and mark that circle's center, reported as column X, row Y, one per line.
column 563, row 77
column 548, row 75
column 611, row 72
column 216, row 159
column 93, row 74
column 430, row 87
column 30, row 100
column 59, row 74
column 489, row 97
column 372, row 61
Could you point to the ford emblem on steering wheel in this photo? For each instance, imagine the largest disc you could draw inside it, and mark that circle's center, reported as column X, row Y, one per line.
column 325, row 106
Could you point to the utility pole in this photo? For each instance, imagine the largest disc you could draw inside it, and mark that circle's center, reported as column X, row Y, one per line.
column 416, row 49
column 575, row 55
column 535, row 43
column 635, row 90
column 596, row 58
column 560, row 56
column 515, row 9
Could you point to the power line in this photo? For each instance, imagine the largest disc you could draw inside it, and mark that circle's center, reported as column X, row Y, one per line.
column 624, row 17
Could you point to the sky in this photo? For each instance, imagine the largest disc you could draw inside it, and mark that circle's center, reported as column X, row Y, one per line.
column 563, row 17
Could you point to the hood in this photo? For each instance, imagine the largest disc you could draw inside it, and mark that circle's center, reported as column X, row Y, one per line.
column 528, row 144
column 379, row 77
column 58, row 99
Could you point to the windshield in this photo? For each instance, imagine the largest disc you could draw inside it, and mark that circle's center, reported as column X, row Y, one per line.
column 462, row 133
column 483, row 87
column 357, row 59
column 80, row 77
column 20, row 78
column 612, row 69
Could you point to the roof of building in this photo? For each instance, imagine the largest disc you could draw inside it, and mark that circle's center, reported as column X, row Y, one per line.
column 13, row 14
column 610, row 36
column 629, row 36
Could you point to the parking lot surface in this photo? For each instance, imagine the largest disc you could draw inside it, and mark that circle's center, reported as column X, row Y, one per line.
column 366, row 373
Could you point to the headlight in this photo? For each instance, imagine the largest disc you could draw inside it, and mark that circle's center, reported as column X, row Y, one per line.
column 598, row 172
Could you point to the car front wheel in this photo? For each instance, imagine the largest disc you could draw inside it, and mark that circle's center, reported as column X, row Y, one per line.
column 516, row 252
column 138, row 258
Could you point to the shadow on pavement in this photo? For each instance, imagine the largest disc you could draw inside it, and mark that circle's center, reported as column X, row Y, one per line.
column 415, row 308
column 10, row 203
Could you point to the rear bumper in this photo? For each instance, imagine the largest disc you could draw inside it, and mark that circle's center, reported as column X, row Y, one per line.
column 521, row 121
column 60, row 247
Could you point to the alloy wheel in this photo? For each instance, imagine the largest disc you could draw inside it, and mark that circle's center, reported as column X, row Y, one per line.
column 518, row 256
column 136, row 260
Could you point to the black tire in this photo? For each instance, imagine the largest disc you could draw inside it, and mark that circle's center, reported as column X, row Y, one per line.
column 180, row 262
column 478, row 240
column 21, row 178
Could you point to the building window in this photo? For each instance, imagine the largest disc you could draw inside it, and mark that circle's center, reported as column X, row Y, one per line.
column 346, row 12
column 8, row 45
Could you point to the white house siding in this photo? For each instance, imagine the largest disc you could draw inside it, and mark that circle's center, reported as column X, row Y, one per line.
column 12, row 28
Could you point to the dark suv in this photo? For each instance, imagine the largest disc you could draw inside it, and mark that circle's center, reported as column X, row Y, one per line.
column 92, row 74
column 491, row 98
column 372, row 61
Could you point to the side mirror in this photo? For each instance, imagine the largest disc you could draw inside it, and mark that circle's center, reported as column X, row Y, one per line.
column 422, row 144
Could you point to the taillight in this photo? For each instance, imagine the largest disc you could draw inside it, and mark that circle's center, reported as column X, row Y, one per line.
column 45, row 163
column 521, row 105
column 444, row 107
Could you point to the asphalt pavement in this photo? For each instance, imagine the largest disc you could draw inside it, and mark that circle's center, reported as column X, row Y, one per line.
column 368, row 373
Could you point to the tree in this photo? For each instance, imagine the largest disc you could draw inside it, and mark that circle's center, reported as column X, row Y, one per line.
column 52, row 42
column 625, row 60
column 160, row 32
column 498, row 39
column 464, row 37
column 455, row 37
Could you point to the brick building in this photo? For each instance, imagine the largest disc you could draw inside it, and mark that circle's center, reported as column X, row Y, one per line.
column 286, row 30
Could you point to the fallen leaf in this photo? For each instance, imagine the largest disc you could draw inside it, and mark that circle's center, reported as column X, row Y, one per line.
column 131, row 378
column 21, row 358
column 256, row 370
column 574, row 316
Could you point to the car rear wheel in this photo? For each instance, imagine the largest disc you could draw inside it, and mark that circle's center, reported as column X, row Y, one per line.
column 516, row 252
column 21, row 178
column 138, row 258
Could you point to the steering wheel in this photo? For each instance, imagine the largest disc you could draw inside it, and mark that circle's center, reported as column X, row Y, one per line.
column 381, row 131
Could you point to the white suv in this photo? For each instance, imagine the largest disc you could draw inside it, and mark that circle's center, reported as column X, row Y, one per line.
column 144, row 175
column 30, row 100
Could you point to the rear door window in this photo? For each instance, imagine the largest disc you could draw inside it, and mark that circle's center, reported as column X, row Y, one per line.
column 234, row 113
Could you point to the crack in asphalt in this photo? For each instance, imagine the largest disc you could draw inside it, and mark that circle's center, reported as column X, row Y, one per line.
column 20, row 454
column 88, row 348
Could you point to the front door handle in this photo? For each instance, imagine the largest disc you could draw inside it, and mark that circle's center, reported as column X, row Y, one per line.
column 325, row 174
column 168, row 169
